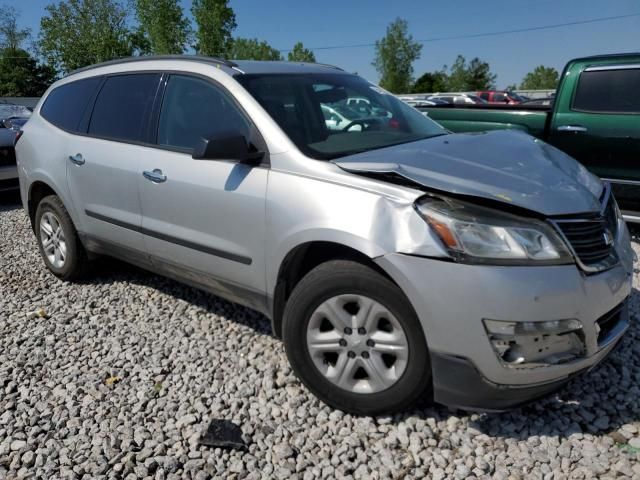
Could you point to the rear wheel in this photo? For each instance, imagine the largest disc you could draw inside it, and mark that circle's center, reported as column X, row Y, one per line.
column 354, row 340
column 58, row 240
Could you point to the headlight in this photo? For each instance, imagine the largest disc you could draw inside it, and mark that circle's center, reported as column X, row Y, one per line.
column 482, row 235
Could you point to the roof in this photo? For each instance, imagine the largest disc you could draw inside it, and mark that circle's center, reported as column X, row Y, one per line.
column 237, row 67
column 253, row 66
column 605, row 57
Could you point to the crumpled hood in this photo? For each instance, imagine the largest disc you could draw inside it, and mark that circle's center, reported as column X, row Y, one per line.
column 506, row 166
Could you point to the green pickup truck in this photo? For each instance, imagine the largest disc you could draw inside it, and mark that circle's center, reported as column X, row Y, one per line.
column 595, row 119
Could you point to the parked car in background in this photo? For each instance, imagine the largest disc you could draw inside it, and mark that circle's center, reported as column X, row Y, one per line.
column 595, row 118
column 397, row 260
column 457, row 98
column 12, row 118
column 500, row 96
column 421, row 101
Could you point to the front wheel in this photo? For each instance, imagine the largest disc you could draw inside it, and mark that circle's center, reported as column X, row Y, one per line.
column 354, row 340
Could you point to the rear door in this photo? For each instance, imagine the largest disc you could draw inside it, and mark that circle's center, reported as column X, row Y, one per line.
column 599, row 126
column 103, row 164
column 203, row 220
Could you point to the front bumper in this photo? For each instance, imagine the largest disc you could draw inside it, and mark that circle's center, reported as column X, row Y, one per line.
column 464, row 387
column 452, row 299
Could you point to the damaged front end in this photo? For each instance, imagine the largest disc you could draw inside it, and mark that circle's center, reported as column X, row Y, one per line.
column 536, row 344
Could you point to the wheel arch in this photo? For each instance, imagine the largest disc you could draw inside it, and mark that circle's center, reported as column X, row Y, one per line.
column 300, row 260
column 37, row 191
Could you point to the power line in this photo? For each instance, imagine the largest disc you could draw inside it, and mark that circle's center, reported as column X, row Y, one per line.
column 485, row 34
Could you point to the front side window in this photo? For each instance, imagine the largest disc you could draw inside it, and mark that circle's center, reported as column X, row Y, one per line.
column 66, row 105
column 366, row 116
column 194, row 109
column 122, row 107
column 609, row 91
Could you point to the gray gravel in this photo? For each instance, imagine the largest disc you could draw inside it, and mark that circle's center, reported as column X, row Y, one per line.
column 184, row 357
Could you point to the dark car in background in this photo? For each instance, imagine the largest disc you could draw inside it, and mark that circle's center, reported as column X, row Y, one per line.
column 12, row 118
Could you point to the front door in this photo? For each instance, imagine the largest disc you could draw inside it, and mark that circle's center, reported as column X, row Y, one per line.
column 203, row 220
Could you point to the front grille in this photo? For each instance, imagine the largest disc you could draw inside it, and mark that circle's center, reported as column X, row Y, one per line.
column 608, row 322
column 7, row 156
column 593, row 239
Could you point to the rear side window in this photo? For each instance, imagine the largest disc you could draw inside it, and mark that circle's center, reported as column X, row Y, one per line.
column 122, row 107
column 610, row 91
column 193, row 109
column 65, row 106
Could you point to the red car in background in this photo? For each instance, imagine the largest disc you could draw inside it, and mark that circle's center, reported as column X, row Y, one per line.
column 501, row 96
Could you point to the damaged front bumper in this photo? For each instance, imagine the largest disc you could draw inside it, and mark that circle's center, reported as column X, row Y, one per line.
column 479, row 364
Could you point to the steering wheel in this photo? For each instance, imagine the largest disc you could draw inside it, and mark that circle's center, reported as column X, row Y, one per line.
column 361, row 121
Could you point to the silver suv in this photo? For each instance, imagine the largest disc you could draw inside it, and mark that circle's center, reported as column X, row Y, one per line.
column 396, row 260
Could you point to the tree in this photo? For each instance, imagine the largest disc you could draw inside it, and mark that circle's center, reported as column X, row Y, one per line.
column 11, row 36
column 431, row 82
column 20, row 73
column 301, row 54
column 252, row 49
column 480, row 76
column 77, row 33
column 395, row 54
column 511, row 88
column 475, row 75
column 216, row 21
column 541, row 78
column 163, row 26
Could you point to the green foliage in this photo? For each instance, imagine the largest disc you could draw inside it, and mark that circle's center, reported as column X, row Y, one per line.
column 20, row 73
column 252, row 49
column 301, row 54
column 395, row 54
column 216, row 21
column 431, row 82
column 163, row 26
column 21, row 76
column 77, row 33
column 541, row 78
column 475, row 75
column 511, row 88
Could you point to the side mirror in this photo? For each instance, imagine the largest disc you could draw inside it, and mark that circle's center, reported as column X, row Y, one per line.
column 227, row 146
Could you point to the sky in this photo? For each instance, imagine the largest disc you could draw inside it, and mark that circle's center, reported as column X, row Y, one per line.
column 323, row 23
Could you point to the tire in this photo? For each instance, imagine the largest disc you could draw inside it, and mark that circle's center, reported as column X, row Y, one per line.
column 347, row 285
column 52, row 212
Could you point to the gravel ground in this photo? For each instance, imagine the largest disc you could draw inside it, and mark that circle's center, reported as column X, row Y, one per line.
column 184, row 357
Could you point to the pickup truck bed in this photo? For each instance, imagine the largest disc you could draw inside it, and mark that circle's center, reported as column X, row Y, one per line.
column 594, row 119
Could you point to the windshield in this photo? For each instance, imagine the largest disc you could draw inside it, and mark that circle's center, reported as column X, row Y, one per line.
column 368, row 117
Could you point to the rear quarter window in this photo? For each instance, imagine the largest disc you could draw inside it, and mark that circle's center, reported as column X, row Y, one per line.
column 608, row 91
column 65, row 106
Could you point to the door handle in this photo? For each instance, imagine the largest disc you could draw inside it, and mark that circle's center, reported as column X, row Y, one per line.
column 156, row 176
column 572, row 128
column 77, row 159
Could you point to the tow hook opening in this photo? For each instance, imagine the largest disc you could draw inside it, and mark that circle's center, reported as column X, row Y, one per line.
column 536, row 344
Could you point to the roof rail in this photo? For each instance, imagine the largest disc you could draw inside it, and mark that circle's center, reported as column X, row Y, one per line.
column 192, row 58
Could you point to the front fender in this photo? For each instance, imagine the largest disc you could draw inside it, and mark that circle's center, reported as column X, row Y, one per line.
column 364, row 220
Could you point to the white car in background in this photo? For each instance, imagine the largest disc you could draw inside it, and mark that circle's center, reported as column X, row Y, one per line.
column 458, row 98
